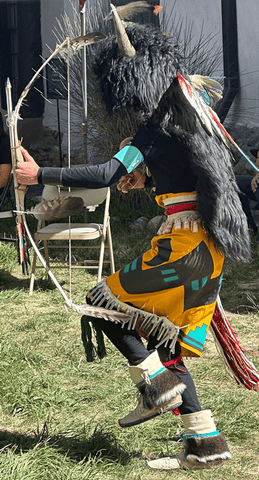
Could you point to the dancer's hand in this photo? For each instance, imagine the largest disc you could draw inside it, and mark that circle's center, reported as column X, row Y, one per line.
column 26, row 172
column 132, row 180
column 254, row 183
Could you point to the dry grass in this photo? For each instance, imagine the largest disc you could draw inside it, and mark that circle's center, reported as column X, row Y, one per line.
column 60, row 412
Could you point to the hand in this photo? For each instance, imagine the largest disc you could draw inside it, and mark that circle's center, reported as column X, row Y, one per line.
column 132, row 180
column 26, row 172
column 254, row 183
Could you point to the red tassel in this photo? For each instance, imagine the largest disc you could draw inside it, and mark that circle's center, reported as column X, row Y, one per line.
column 176, row 411
column 174, row 362
column 243, row 369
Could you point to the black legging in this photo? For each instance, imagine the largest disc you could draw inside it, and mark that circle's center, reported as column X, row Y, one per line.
column 129, row 343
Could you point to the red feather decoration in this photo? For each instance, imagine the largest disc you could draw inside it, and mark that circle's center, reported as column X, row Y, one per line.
column 242, row 368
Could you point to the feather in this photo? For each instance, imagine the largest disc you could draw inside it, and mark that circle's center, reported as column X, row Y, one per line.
column 126, row 12
column 100, row 312
column 197, row 102
column 209, row 86
column 88, row 39
column 58, row 208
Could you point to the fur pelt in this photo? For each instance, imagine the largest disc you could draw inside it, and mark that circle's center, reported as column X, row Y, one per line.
column 219, row 204
column 161, row 388
column 156, row 62
column 211, row 161
column 218, row 201
column 147, row 83
column 207, row 449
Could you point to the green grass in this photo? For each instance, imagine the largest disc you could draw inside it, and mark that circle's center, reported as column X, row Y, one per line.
column 59, row 413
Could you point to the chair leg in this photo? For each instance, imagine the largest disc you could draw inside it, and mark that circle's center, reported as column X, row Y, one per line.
column 100, row 267
column 46, row 251
column 111, row 256
column 33, row 271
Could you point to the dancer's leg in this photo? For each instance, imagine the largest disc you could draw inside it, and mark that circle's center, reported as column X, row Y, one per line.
column 159, row 387
column 190, row 403
column 128, row 342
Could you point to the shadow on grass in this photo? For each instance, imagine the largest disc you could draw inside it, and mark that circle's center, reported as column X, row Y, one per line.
column 100, row 444
column 8, row 281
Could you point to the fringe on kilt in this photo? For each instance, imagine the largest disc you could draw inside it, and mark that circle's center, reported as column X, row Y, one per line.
column 165, row 331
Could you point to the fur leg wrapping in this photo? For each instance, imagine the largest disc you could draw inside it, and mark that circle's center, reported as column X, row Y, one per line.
column 155, row 382
column 161, row 388
column 203, row 442
column 159, row 391
column 205, row 446
column 207, row 449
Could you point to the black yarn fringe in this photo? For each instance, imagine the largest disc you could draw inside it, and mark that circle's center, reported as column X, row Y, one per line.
column 92, row 352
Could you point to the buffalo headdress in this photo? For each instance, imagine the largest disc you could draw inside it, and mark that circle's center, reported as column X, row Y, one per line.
column 141, row 69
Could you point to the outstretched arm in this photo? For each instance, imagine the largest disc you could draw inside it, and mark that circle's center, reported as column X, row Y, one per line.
column 91, row 176
column 123, row 164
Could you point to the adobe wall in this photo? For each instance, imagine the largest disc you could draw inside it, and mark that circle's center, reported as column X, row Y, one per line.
column 205, row 16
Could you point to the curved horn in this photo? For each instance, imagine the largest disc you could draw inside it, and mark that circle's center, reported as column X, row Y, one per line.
column 125, row 47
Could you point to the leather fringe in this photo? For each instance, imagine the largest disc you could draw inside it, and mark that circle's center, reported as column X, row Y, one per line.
column 165, row 331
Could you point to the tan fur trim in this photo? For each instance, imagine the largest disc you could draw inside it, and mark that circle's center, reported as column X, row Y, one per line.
column 210, row 458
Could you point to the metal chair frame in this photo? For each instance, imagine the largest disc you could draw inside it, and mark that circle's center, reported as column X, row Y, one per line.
column 76, row 231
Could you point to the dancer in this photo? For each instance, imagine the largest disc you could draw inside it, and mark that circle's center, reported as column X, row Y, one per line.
column 170, row 291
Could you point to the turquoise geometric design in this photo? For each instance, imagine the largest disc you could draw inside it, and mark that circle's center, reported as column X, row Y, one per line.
column 130, row 157
column 169, row 272
column 131, row 266
column 195, row 284
column 195, row 338
column 199, row 334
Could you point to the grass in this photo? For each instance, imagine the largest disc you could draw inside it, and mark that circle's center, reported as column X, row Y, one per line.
column 59, row 413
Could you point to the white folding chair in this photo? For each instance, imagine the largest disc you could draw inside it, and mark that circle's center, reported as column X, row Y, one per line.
column 52, row 196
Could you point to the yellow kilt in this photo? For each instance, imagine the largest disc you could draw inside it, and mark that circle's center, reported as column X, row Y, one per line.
column 178, row 278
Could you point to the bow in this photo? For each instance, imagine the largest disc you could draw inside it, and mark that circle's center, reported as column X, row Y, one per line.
column 13, row 116
column 19, row 191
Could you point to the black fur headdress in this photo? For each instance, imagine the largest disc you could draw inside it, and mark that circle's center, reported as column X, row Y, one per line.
column 148, row 82
column 141, row 80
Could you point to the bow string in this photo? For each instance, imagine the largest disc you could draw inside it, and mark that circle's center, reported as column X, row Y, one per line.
column 13, row 116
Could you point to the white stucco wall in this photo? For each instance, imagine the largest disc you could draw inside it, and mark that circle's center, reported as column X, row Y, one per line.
column 247, row 102
column 50, row 12
column 204, row 16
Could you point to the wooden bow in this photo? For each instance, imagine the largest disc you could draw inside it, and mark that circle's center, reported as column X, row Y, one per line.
column 19, row 191
column 22, row 226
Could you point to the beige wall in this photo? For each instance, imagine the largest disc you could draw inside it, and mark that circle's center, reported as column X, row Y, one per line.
column 247, row 103
column 206, row 14
column 205, row 17
column 51, row 12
